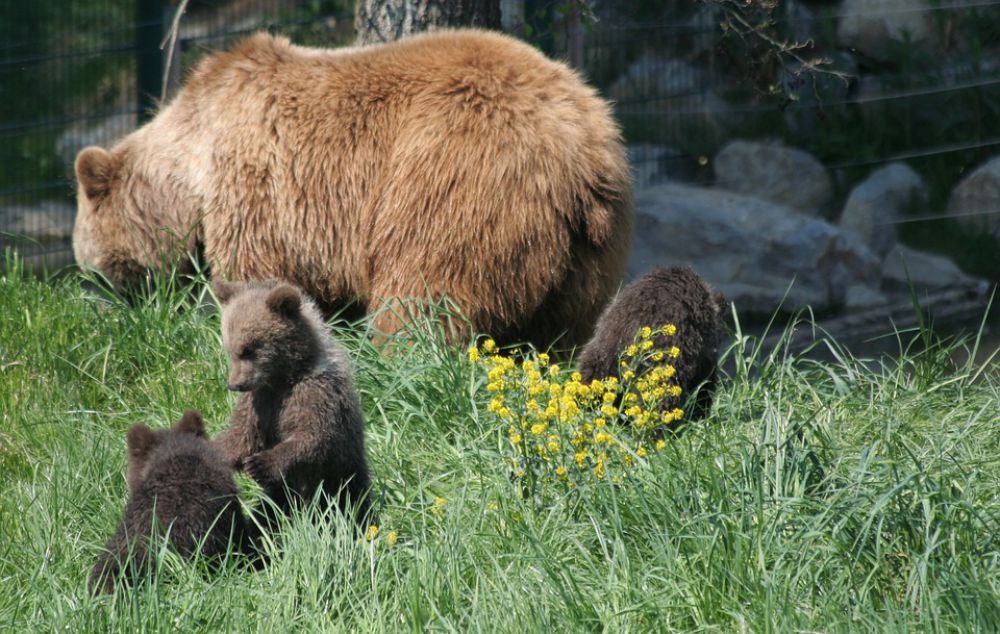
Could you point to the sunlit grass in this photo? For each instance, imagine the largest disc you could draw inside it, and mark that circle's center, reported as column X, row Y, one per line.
column 843, row 496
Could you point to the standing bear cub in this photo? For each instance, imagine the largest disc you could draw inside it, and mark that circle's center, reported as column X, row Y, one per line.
column 297, row 426
column 674, row 295
column 179, row 486
column 455, row 163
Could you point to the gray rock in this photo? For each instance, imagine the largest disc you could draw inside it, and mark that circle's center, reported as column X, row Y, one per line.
column 654, row 164
column 46, row 222
column 776, row 173
column 864, row 297
column 104, row 134
column 975, row 202
column 926, row 271
column 750, row 249
column 876, row 27
column 673, row 100
column 876, row 205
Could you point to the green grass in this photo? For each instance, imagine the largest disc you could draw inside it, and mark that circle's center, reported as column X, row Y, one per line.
column 842, row 496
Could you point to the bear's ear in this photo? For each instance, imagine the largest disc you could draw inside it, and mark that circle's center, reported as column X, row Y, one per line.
column 225, row 291
column 140, row 440
column 191, row 423
column 95, row 169
column 284, row 300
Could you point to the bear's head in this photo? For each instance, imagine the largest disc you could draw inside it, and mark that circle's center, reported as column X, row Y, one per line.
column 143, row 441
column 272, row 332
column 134, row 214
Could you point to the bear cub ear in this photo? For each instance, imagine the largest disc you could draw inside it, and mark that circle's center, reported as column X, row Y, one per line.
column 191, row 423
column 284, row 300
column 95, row 170
column 140, row 440
column 225, row 291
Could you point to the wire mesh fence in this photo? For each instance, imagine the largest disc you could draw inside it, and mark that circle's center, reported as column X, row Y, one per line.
column 76, row 74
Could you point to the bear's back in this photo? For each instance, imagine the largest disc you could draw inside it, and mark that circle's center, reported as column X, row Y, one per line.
column 188, row 489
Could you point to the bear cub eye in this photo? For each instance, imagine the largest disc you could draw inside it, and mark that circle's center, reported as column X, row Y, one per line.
column 248, row 352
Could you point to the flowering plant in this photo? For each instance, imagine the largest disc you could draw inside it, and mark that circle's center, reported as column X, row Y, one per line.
column 562, row 431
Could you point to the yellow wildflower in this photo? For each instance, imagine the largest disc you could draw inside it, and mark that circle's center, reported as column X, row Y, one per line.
column 371, row 533
column 674, row 352
column 539, row 428
column 543, row 358
column 641, row 452
column 661, row 444
column 473, row 354
column 391, row 538
column 632, row 350
column 670, row 330
column 599, row 469
column 561, row 472
column 489, row 346
column 515, row 439
column 646, row 332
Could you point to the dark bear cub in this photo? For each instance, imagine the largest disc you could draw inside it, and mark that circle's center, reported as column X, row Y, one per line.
column 179, row 486
column 674, row 295
column 297, row 425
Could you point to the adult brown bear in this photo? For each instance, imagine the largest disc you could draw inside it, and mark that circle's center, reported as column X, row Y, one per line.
column 457, row 163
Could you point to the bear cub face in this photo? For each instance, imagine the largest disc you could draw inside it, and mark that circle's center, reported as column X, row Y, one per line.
column 269, row 338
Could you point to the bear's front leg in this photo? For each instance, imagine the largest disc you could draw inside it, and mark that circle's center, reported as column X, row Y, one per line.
column 234, row 446
column 285, row 463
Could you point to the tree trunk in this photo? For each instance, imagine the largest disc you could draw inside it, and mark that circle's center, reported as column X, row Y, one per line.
column 388, row 20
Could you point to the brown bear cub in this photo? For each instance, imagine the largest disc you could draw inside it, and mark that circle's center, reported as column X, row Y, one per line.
column 179, row 486
column 297, row 426
column 674, row 295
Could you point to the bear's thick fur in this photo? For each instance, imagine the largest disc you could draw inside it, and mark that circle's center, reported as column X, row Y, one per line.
column 298, row 423
column 460, row 163
column 179, row 486
column 665, row 295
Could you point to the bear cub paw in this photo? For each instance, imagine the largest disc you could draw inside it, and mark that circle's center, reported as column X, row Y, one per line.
column 258, row 467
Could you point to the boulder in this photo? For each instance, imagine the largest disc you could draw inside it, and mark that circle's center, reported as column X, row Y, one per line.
column 774, row 172
column 927, row 272
column 105, row 134
column 46, row 222
column 653, row 164
column 876, row 205
column 750, row 249
column 975, row 202
column 876, row 27
column 672, row 102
